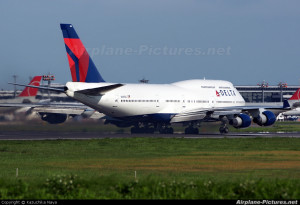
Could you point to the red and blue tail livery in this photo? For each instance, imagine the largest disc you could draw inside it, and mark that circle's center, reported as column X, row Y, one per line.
column 82, row 67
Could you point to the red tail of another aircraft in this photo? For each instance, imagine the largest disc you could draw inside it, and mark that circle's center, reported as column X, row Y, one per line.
column 31, row 92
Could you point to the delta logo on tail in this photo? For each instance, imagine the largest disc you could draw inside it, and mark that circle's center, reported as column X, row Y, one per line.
column 81, row 65
column 30, row 92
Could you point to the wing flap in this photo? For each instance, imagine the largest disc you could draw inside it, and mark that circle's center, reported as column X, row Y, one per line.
column 191, row 115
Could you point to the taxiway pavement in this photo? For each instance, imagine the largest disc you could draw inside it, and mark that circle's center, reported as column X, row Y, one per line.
column 43, row 135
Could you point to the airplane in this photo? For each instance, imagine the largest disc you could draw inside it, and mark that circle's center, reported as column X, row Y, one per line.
column 294, row 101
column 56, row 113
column 53, row 113
column 156, row 107
column 28, row 95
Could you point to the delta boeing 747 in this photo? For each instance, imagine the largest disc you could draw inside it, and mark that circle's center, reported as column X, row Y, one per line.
column 155, row 107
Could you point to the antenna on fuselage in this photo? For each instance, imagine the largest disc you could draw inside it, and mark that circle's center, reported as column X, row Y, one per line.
column 143, row 81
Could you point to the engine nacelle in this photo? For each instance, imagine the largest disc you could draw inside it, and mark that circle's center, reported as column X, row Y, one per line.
column 241, row 121
column 265, row 118
column 54, row 118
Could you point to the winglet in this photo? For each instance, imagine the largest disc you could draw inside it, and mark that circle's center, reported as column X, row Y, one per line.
column 81, row 65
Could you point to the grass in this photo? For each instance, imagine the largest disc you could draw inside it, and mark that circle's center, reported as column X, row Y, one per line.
column 166, row 168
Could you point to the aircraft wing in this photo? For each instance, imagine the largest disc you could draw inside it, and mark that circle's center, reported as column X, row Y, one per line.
column 72, row 111
column 33, row 105
column 202, row 114
column 19, row 105
column 48, row 107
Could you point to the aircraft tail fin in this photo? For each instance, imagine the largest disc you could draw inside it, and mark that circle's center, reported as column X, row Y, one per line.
column 294, row 101
column 81, row 65
column 29, row 91
column 296, row 95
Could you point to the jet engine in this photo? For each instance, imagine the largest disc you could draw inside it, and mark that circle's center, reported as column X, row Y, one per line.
column 54, row 118
column 265, row 118
column 241, row 121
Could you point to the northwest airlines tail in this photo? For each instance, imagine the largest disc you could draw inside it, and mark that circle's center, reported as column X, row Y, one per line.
column 81, row 65
column 294, row 101
column 31, row 92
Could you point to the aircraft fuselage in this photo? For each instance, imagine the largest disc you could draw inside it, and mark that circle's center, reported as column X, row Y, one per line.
column 169, row 99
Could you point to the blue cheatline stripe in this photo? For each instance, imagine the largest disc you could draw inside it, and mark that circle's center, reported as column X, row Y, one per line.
column 76, row 61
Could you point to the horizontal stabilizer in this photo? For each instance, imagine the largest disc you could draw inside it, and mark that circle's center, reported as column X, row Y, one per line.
column 62, row 90
column 99, row 90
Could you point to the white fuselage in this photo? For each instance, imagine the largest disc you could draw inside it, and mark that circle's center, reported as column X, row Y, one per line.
column 143, row 99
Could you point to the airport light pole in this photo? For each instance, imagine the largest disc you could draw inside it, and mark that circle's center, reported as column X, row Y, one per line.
column 263, row 85
column 48, row 78
column 15, row 81
column 281, row 85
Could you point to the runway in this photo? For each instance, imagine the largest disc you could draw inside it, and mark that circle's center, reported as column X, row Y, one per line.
column 60, row 135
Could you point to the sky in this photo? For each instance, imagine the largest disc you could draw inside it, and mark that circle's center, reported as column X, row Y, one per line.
column 164, row 41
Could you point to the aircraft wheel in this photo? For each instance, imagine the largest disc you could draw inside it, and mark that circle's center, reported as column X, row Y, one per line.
column 170, row 130
column 140, row 130
column 224, row 130
column 191, row 130
column 150, row 130
column 134, row 130
column 166, row 130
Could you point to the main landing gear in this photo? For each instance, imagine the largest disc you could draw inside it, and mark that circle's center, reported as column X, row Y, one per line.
column 150, row 129
column 191, row 130
column 224, row 129
column 140, row 130
column 166, row 130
